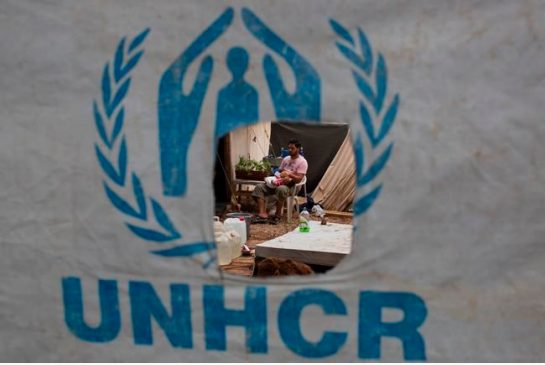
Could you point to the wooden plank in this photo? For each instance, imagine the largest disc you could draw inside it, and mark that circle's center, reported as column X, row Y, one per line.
column 335, row 213
column 242, row 265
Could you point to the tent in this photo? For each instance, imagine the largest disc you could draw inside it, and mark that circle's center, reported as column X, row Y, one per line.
column 109, row 117
column 250, row 142
column 337, row 188
column 330, row 178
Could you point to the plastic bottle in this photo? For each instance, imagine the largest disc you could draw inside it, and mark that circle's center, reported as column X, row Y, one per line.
column 238, row 225
column 301, row 151
column 304, row 217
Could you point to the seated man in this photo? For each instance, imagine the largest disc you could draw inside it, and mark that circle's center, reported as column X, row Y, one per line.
column 293, row 169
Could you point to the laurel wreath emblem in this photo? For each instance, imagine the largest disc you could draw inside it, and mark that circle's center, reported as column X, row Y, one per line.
column 371, row 108
column 109, row 115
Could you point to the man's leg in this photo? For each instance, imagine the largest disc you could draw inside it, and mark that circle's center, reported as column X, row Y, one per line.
column 260, row 193
column 282, row 193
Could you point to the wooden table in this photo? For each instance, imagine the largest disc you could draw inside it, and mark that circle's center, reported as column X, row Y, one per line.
column 323, row 245
column 239, row 182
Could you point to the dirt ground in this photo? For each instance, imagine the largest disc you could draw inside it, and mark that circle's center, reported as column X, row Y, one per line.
column 244, row 265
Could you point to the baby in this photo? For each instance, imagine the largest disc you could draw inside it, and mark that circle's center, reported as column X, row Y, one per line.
column 275, row 181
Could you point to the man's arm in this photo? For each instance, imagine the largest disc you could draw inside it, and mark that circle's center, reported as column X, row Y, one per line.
column 293, row 177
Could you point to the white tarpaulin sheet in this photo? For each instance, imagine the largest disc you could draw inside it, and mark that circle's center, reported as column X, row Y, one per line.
column 323, row 244
column 109, row 112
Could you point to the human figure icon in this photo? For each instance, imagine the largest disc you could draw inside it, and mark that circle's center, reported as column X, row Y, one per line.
column 237, row 103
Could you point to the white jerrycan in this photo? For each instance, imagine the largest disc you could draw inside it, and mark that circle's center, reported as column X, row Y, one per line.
column 234, row 243
column 223, row 243
column 238, row 225
column 224, row 248
column 218, row 226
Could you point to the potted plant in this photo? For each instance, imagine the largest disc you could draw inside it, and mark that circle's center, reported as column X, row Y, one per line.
column 248, row 169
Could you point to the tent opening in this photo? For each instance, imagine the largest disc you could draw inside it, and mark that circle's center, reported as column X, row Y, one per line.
column 304, row 224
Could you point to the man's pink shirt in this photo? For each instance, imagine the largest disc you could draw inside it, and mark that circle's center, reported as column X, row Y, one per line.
column 298, row 165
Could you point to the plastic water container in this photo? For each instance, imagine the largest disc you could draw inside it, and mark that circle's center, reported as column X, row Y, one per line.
column 238, row 225
column 218, row 226
column 234, row 243
column 223, row 243
column 246, row 216
column 224, row 249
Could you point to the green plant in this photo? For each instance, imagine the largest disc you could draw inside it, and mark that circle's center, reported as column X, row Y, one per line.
column 247, row 164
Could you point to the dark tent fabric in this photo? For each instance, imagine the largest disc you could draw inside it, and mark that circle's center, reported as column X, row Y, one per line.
column 320, row 144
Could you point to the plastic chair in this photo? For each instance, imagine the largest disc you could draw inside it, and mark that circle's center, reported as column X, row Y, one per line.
column 291, row 199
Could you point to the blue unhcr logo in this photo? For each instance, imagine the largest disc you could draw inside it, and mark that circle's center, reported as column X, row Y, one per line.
column 237, row 106
column 177, row 322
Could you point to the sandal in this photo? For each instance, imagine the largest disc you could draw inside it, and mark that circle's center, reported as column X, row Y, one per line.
column 259, row 220
column 275, row 220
